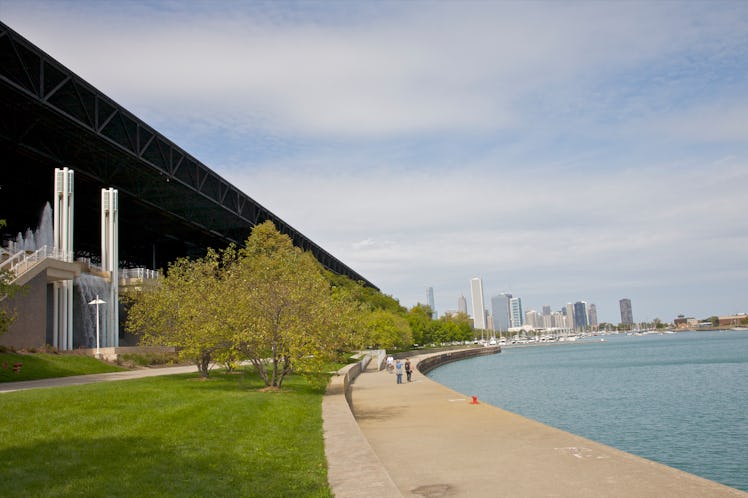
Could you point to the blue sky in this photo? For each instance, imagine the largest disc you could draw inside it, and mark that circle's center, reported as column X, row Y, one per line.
column 562, row 151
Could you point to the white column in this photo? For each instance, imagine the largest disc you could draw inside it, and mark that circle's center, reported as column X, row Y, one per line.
column 110, row 261
column 63, row 241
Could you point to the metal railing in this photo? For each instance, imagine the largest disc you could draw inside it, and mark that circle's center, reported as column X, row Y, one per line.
column 138, row 274
column 23, row 261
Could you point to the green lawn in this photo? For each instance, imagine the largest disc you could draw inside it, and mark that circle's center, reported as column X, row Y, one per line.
column 44, row 366
column 165, row 436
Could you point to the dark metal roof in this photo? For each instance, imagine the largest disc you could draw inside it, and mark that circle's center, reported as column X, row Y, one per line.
column 170, row 203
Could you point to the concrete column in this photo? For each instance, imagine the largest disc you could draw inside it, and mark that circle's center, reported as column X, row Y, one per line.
column 63, row 241
column 110, row 262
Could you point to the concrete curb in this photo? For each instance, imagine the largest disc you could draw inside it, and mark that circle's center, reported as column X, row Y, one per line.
column 353, row 469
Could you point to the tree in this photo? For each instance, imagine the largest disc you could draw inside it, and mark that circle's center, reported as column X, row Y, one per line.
column 7, row 290
column 367, row 296
column 463, row 331
column 285, row 314
column 420, row 321
column 387, row 330
column 186, row 309
column 269, row 303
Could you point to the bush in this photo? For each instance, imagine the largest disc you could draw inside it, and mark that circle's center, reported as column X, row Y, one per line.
column 147, row 359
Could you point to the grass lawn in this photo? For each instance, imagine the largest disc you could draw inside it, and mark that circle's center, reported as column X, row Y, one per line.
column 165, row 436
column 44, row 366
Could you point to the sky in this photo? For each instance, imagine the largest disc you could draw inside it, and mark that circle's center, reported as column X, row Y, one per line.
column 560, row 151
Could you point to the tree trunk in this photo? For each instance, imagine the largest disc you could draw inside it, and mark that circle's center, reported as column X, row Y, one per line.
column 203, row 365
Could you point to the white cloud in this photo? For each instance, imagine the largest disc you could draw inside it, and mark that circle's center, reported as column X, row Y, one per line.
column 555, row 149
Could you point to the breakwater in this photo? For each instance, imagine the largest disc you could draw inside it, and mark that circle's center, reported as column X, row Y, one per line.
column 429, row 363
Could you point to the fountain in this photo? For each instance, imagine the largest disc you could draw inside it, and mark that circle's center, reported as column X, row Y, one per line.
column 31, row 240
column 87, row 287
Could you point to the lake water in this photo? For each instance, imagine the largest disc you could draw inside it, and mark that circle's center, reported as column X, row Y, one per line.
column 679, row 399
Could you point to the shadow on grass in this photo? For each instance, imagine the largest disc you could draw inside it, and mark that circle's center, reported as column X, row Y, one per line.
column 126, row 466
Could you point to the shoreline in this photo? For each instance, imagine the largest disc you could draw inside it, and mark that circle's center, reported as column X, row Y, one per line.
column 432, row 441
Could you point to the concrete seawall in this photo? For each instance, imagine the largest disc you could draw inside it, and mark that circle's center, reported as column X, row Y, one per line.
column 428, row 362
column 423, row 439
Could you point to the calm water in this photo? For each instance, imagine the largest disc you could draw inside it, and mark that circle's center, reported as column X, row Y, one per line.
column 679, row 399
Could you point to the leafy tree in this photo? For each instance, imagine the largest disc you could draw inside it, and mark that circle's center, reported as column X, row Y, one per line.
column 186, row 309
column 369, row 297
column 7, row 290
column 387, row 330
column 420, row 320
column 463, row 330
column 268, row 303
column 285, row 313
column 7, row 316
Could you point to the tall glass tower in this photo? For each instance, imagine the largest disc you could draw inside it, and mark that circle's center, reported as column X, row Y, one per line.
column 517, row 315
column 479, row 313
column 500, row 311
column 580, row 315
column 430, row 301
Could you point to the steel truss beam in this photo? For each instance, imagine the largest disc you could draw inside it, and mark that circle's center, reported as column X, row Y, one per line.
column 47, row 111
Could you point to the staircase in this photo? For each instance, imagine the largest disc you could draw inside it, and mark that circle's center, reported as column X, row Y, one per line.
column 25, row 265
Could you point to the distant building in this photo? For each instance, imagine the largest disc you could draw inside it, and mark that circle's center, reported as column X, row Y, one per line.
column 476, row 294
column 430, row 302
column 580, row 315
column 569, row 311
column 533, row 319
column 462, row 304
column 546, row 310
column 592, row 315
column 516, row 315
column 627, row 317
column 500, row 311
column 733, row 320
column 558, row 320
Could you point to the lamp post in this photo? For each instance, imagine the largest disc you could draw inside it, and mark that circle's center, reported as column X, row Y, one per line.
column 97, row 302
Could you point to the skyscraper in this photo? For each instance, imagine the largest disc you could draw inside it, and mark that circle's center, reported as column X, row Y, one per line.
column 462, row 304
column 580, row 315
column 515, row 310
column 592, row 315
column 430, row 301
column 627, row 316
column 500, row 311
column 570, row 316
column 476, row 294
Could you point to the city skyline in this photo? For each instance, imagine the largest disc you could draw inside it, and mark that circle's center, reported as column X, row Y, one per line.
column 562, row 151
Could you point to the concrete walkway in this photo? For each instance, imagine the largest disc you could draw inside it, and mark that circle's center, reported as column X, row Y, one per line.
column 6, row 387
column 433, row 442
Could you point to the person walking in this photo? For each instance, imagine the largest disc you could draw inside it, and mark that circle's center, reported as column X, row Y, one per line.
column 399, row 371
column 390, row 364
column 408, row 371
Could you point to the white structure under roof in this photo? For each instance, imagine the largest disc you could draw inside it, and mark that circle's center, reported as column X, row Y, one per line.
column 62, row 293
column 110, row 262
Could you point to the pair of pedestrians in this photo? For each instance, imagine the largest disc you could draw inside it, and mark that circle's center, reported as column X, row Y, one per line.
column 399, row 370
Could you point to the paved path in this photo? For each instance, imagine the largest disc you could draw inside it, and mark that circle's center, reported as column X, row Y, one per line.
column 433, row 442
column 6, row 387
